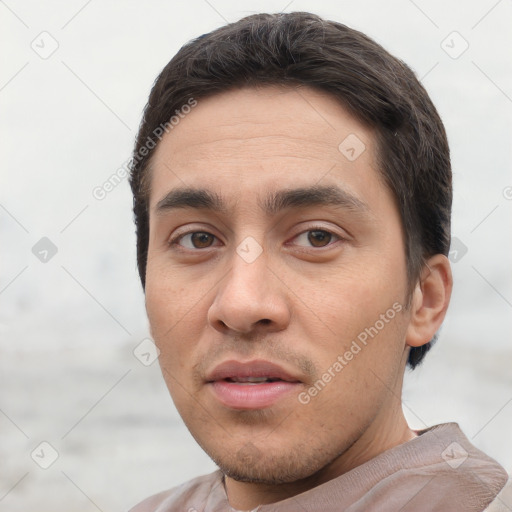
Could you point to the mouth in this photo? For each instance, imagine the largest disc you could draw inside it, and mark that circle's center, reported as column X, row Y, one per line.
column 248, row 385
column 252, row 380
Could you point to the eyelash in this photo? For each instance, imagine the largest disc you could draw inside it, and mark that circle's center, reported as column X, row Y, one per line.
column 175, row 241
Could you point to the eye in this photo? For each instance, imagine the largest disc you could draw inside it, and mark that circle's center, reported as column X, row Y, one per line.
column 316, row 237
column 194, row 240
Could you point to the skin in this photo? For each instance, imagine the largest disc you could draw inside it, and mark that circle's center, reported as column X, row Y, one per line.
column 300, row 304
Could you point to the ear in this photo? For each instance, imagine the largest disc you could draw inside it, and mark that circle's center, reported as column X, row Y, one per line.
column 430, row 300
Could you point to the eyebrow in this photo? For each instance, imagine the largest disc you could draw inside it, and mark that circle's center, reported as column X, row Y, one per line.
column 315, row 195
column 303, row 197
column 186, row 197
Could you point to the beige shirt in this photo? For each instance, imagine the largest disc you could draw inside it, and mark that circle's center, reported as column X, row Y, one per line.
column 438, row 471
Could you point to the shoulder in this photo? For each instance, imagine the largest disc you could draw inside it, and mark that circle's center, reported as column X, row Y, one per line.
column 503, row 501
column 442, row 469
column 192, row 494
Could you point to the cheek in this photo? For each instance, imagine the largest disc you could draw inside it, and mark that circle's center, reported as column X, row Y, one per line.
column 352, row 298
column 357, row 366
column 170, row 309
column 172, row 329
column 360, row 316
column 161, row 304
column 167, row 294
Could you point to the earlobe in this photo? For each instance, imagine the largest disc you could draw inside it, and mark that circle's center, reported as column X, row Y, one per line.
column 430, row 300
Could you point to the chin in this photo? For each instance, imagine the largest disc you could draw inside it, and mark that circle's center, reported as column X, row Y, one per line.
column 250, row 465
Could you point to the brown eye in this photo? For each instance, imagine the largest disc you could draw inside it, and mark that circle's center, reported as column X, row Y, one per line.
column 319, row 238
column 195, row 240
column 201, row 240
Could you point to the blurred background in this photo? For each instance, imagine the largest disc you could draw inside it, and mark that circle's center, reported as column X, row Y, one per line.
column 86, row 422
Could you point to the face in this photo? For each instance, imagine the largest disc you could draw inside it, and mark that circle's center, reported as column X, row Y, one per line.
column 276, row 280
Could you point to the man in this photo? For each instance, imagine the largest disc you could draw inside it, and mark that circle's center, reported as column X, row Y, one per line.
column 292, row 197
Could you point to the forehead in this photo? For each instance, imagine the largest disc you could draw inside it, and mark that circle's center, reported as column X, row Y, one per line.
column 266, row 138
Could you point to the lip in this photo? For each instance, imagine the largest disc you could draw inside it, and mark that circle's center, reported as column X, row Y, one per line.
column 246, row 396
column 255, row 368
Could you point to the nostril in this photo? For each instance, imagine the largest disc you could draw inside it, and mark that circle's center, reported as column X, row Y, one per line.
column 265, row 321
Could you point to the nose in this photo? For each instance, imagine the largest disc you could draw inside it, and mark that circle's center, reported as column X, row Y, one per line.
column 250, row 298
